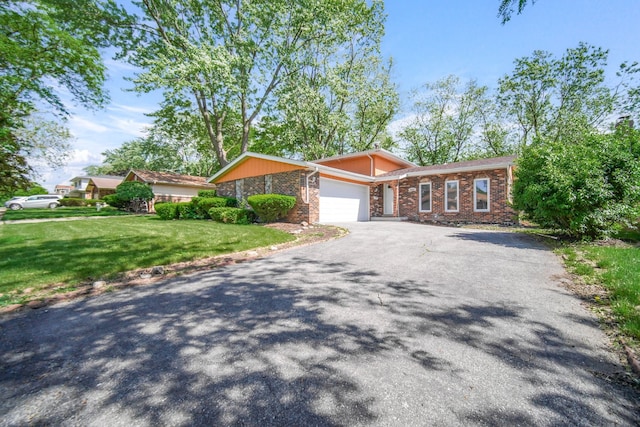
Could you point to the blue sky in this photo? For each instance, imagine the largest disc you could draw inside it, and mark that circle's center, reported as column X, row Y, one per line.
column 427, row 39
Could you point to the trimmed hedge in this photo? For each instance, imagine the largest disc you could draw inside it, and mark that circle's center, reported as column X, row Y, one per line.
column 207, row 193
column 187, row 210
column 167, row 211
column 72, row 201
column 203, row 204
column 271, row 207
column 232, row 215
column 116, row 201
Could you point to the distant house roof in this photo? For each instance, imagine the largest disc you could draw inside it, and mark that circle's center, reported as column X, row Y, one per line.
column 170, row 178
column 63, row 187
column 105, row 183
column 468, row 166
column 75, row 178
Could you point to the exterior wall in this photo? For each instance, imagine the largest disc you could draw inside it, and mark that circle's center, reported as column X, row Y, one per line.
column 171, row 193
column 376, row 198
column 291, row 183
column 409, row 198
column 253, row 167
column 362, row 165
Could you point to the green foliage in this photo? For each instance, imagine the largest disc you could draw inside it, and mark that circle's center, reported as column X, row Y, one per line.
column 506, row 8
column 114, row 200
column 454, row 123
column 203, row 204
column 187, row 210
column 270, row 207
column 223, row 62
column 32, row 189
column 47, row 44
column 207, row 193
column 232, row 215
column 72, row 201
column 130, row 190
column 583, row 188
column 167, row 211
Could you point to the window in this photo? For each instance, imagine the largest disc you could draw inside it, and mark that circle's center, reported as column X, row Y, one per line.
column 451, row 202
column 481, row 195
column 425, row 197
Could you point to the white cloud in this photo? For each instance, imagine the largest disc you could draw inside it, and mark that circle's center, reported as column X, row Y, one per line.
column 80, row 125
column 130, row 126
column 130, row 109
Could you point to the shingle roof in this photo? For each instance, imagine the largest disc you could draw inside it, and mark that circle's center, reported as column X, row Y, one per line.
column 153, row 177
column 106, row 183
column 458, row 166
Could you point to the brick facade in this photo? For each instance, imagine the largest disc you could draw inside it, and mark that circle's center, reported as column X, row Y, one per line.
column 293, row 183
column 407, row 198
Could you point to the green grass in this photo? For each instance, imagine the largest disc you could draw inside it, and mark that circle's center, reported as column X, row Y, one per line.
column 61, row 212
column 621, row 276
column 69, row 253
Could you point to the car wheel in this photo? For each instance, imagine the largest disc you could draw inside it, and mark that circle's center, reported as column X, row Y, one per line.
column 15, row 207
column 53, row 205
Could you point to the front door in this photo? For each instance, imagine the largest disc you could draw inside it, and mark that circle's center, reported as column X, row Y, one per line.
column 388, row 199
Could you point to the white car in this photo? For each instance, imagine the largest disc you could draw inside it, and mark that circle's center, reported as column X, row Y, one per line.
column 38, row 201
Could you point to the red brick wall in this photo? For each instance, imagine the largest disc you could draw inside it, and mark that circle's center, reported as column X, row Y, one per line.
column 500, row 211
column 291, row 183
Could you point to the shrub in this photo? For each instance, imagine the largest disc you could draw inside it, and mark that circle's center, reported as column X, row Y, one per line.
column 167, row 211
column 186, row 210
column 130, row 190
column 91, row 202
column 72, row 201
column 115, row 201
column 270, row 207
column 203, row 204
column 584, row 187
column 207, row 193
column 232, row 215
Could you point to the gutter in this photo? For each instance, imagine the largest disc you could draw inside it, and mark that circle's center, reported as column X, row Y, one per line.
column 307, row 182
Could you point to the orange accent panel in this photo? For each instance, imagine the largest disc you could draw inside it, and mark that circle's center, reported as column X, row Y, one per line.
column 382, row 165
column 337, row 178
column 256, row 167
column 361, row 165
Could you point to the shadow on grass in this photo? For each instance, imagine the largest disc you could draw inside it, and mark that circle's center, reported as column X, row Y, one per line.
column 270, row 343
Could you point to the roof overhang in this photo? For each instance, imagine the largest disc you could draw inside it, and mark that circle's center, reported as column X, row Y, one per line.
column 310, row 166
column 444, row 171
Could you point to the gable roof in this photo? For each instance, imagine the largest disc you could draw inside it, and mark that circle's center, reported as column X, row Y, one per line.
column 377, row 151
column 467, row 166
column 311, row 166
column 106, row 183
column 95, row 176
column 170, row 178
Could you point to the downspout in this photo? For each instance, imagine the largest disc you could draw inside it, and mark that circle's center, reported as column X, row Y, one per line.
column 371, row 167
column 307, row 183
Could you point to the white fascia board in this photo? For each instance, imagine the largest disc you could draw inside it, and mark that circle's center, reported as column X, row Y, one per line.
column 340, row 173
column 447, row 171
column 380, row 151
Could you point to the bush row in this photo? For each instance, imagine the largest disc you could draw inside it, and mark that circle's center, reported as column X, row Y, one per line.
column 74, row 201
column 266, row 207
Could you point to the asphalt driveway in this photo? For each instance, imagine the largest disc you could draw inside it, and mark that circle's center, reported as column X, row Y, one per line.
column 396, row 324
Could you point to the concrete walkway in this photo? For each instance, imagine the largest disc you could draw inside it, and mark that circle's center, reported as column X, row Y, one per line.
column 396, row 324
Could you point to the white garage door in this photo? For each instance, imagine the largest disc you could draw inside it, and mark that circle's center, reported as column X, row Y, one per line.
column 343, row 202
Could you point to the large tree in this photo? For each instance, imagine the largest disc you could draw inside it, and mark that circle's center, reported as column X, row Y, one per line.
column 557, row 98
column 229, row 56
column 453, row 122
column 47, row 44
column 340, row 101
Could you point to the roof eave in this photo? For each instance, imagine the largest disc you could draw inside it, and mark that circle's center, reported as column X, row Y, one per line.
column 444, row 171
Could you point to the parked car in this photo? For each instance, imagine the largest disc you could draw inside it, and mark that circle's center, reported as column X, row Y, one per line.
column 37, row 201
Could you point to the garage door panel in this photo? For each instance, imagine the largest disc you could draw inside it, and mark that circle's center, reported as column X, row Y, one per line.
column 343, row 202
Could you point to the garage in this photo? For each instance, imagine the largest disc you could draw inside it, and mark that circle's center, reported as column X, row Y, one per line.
column 343, row 201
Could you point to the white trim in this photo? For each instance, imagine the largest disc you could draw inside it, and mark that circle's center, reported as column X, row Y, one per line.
column 379, row 151
column 475, row 204
column 446, row 194
column 430, row 196
column 444, row 171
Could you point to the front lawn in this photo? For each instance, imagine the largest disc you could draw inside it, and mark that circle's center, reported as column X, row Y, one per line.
column 72, row 252
column 61, row 212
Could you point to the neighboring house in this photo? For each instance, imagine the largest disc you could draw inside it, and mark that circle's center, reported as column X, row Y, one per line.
column 62, row 190
column 170, row 187
column 376, row 184
column 98, row 187
column 79, row 184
